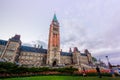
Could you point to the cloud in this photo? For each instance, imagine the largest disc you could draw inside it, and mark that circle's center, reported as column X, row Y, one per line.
column 96, row 27
column 101, row 45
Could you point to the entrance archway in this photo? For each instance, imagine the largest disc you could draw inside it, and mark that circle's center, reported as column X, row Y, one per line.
column 54, row 63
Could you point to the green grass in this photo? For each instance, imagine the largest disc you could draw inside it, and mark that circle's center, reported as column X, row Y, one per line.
column 61, row 78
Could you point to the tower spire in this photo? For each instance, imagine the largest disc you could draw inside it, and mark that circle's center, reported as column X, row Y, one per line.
column 55, row 18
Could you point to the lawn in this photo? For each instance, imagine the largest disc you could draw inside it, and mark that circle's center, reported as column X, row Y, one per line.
column 61, row 78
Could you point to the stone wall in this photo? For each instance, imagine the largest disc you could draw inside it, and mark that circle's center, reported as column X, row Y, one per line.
column 66, row 60
column 1, row 49
column 31, row 59
column 84, row 59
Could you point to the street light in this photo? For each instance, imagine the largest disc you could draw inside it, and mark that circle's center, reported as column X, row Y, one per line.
column 110, row 67
column 107, row 59
column 108, row 62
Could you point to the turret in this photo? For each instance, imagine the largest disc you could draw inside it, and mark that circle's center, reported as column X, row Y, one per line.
column 70, row 50
column 89, row 57
column 11, row 50
column 76, row 49
column 76, row 56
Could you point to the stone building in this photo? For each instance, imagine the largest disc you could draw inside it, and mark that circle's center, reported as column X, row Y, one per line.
column 13, row 51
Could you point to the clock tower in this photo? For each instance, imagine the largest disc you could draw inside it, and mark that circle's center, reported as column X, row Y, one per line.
column 53, row 54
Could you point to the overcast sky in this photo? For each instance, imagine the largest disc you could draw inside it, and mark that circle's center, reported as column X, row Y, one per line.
column 86, row 24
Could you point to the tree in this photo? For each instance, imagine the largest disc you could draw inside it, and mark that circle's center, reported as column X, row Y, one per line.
column 94, row 59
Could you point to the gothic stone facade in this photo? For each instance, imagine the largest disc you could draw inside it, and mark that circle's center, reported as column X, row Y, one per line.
column 13, row 51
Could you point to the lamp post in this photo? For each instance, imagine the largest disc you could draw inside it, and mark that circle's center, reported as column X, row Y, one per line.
column 107, row 59
column 110, row 67
column 109, row 64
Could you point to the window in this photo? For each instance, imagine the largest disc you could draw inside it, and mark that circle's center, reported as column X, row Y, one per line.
column 38, row 58
column 27, row 57
column 12, row 46
column 55, row 29
column 31, row 57
column 9, row 52
column 0, row 52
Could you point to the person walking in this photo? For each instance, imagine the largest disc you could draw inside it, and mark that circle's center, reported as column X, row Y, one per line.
column 84, row 72
column 112, row 73
column 98, row 71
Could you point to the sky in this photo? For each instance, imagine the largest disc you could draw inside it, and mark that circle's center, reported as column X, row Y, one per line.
column 86, row 24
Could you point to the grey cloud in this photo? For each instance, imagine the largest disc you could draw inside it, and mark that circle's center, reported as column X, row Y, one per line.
column 100, row 36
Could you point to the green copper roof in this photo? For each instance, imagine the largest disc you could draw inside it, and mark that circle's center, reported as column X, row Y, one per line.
column 55, row 18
